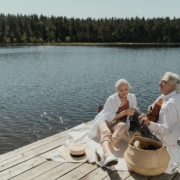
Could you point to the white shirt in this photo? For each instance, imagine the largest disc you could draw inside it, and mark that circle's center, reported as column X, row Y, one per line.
column 167, row 127
column 109, row 112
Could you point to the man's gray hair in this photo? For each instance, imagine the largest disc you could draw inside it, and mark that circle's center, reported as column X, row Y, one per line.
column 121, row 82
column 173, row 79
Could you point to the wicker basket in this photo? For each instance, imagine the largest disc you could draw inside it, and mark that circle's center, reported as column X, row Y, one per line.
column 148, row 162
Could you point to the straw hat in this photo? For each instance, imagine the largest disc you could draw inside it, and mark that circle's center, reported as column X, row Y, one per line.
column 77, row 153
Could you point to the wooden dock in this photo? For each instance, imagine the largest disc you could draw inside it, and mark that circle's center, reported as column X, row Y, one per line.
column 29, row 162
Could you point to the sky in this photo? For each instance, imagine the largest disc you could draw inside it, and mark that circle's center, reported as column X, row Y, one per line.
column 93, row 8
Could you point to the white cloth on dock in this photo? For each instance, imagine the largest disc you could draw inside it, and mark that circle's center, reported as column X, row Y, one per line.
column 79, row 134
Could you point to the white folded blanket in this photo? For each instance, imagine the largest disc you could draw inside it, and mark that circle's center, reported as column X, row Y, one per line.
column 79, row 134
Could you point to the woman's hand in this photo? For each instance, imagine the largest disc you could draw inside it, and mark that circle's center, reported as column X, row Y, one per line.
column 127, row 112
column 130, row 112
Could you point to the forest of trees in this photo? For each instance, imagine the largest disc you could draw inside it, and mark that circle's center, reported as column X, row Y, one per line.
column 42, row 29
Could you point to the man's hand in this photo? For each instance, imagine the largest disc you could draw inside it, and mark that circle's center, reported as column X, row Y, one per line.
column 150, row 107
column 144, row 120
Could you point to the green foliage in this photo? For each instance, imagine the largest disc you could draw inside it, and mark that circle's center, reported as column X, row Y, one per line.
column 42, row 29
column 7, row 40
column 67, row 39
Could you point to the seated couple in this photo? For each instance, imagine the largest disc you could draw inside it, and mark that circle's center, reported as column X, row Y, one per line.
column 113, row 121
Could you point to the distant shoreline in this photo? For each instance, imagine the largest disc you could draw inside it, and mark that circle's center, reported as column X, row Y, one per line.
column 95, row 44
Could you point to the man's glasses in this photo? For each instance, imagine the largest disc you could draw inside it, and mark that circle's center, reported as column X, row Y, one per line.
column 163, row 82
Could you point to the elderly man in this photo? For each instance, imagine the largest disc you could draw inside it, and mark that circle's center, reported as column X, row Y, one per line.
column 167, row 127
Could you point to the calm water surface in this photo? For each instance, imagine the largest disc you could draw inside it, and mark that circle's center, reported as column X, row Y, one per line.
column 48, row 89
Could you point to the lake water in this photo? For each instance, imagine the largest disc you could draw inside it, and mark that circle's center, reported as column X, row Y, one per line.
column 48, row 89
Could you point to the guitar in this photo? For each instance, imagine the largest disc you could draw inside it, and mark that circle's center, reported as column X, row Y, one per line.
column 153, row 113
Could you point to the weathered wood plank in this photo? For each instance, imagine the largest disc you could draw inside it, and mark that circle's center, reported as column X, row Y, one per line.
column 97, row 174
column 25, row 166
column 37, row 170
column 30, row 154
column 78, row 172
column 58, row 171
column 177, row 177
column 163, row 177
column 135, row 176
column 9, row 173
column 117, row 175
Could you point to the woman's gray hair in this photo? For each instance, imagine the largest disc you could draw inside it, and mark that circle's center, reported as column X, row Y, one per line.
column 173, row 79
column 121, row 82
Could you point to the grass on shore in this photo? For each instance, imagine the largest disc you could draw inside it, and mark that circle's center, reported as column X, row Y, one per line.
column 90, row 44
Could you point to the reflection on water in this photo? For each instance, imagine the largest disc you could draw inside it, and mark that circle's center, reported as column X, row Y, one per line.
column 46, row 89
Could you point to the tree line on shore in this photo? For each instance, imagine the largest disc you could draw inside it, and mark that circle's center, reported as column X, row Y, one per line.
column 44, row 29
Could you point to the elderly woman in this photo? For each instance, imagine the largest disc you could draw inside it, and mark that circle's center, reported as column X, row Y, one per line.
column 167, row 127
column 111, row 123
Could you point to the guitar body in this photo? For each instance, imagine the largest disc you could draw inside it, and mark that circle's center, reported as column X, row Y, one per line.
column 153, row 114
